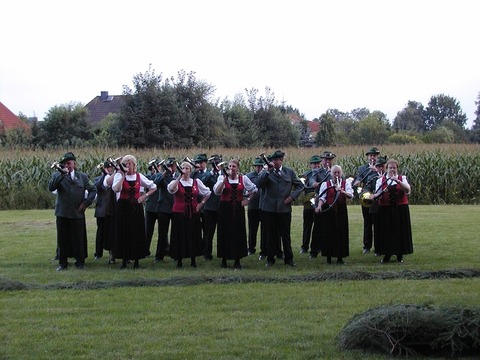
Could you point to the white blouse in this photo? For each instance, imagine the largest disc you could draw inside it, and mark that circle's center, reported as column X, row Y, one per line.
column 249, row 185
column 202, row 189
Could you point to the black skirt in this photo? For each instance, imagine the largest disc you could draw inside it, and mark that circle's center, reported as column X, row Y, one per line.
column 231, row 231
column 331, row 235
column 393, row 230
column 130, row 238
column 186, row 236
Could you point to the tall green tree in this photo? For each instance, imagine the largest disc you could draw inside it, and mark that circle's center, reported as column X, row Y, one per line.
column 475, row 131
column 371, row 129
column 243, row 130
column 411, row 118
column 442, row 107
column 326, row 133
column 64, row 125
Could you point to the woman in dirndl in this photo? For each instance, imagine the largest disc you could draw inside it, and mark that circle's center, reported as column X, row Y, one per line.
column 130, row 239
column 231, row 229
column 393, row 228
column 332, row 207
column 186, row 234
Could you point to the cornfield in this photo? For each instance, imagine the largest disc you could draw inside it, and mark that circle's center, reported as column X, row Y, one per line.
column 446, row 174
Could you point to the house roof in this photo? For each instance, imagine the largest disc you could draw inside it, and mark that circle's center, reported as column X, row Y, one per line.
column 313, row 126
column 8, row 120
column 100, row 106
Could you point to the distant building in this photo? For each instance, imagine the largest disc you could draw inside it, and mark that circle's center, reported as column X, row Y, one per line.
column 10, row 121
column 103, row 105
column 308, row 138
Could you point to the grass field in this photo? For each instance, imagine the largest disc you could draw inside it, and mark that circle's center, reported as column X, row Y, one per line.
column 159, row 311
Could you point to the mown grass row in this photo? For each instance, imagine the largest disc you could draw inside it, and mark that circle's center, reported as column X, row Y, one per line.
column 438, row 175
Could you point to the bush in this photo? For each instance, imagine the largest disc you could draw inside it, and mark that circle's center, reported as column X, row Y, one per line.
column 411, row 329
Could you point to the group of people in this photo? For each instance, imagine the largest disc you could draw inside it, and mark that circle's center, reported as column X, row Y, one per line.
column 194, row 200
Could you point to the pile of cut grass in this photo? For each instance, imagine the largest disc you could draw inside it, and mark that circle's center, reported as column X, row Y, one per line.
column 411, row 330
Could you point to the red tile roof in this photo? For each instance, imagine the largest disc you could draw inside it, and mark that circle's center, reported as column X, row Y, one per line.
column 8, row 120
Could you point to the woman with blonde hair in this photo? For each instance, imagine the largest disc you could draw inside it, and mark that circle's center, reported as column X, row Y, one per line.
column 186, row 234
column 332, row 206
column 130, row 238
column 231, row 229
column 393, row 231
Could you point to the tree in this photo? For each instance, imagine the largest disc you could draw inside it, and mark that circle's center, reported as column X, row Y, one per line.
column 171, row 113
column 474, row 134
column 326, row 131
column 372, row 129
column 64, row 125
column 243, row 131
column 440, row 108
column 411, row 118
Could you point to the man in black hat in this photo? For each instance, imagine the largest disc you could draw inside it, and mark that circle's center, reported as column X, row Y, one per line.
column 365, row 173
column 75, row 192
column 308, row 209
column 254, row 213
column 101, row 202
column 280, row 187
column 210, row 209
column 321, row 175
column 164, row 207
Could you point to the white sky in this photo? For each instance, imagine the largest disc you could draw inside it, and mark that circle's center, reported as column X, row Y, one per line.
column 315, row 55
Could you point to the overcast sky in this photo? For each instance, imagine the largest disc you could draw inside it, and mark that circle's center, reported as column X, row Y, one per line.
column 314, row 55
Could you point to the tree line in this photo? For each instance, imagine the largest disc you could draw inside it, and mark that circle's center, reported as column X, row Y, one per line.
column 182, row 112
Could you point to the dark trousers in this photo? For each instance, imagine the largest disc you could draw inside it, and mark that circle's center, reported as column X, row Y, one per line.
column 254, row 218
column 101, row 236
column 164, row 220
column 308, row 216
column 367, row 228
column 278, row 232
column 71, row 240
column 209, row 227
column 150, row 220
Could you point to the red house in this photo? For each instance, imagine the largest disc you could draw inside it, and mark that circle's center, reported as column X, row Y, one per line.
column 9, row 121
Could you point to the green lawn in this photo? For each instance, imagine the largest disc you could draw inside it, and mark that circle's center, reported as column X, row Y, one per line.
column 215, row 313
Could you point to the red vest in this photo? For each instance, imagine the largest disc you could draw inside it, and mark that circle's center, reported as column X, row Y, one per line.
column 393, row 195
column 331, row 193
column 185, row 199
column 229, row 193
column 131, row 192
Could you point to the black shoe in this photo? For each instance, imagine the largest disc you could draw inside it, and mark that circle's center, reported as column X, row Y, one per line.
column 61, row 268
column 340, row 261
column 224, row 264
column 208, row 257
column 80, row 266
column 111, row 261
column 124, row 265
column 136, row 265
column 251, row 252
column 237, row 265
column 329, row 259
column 193, row 263
column 400, row 258
column 366, row 251
column 158, row 259
column 290, row 263
column 55, row 258
column 97, row 257
column 269, row 264
column 179, row 264
column 386, row 259
column 261, row 257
